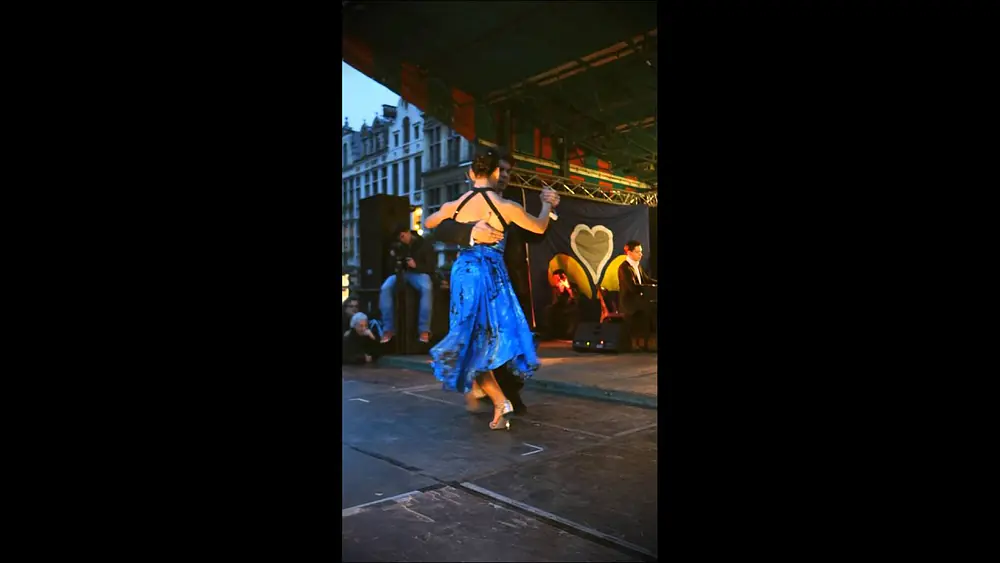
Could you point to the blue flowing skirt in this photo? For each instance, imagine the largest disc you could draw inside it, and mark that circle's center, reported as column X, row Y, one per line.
column 486, row 326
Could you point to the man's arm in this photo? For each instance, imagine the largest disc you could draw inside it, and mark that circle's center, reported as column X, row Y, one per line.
column 452, row 232
column 425, row 258
column 646, row 278
column 626, row 281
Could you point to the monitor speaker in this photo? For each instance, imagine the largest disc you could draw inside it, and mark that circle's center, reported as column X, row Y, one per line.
column 601, row 337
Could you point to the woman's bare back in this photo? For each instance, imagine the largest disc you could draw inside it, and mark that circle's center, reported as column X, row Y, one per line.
column 474, row 208
column 477, row 209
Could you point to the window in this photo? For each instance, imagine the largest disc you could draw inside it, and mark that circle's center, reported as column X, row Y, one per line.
column 435, row 148
column 385, row 180
column 416, row 132
column 453, row 145
column 395, row 178
column 417, row 171
column 345, row 154
column 395, row 140
column 406, row 130
column 406, row 177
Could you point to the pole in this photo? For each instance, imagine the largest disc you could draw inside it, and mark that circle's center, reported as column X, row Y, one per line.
column 527, row 260
column 505, row 140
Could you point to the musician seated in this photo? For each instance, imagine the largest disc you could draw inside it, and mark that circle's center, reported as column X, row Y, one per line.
column 563, row 313
column 634, row 294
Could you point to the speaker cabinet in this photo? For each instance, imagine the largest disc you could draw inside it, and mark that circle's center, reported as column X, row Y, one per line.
column 601, row 337
column 379, row 215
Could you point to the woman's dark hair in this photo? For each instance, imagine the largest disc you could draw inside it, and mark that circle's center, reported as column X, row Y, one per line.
column 487, row 160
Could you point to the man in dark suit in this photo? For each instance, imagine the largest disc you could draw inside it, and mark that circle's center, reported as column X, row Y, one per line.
column 633, row 302
column 451, row 231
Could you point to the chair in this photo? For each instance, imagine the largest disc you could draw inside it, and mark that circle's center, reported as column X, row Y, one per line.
column 609, row 306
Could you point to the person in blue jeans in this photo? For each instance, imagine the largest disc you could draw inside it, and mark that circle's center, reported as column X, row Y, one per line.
column 417, row 257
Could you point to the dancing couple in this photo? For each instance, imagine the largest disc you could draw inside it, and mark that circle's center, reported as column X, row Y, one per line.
column 487, row 329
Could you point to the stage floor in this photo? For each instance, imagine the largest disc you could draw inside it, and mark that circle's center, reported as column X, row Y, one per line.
column 634, row 372
column 629, row 378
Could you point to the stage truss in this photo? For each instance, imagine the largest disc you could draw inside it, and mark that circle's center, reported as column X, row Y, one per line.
column 584, row 190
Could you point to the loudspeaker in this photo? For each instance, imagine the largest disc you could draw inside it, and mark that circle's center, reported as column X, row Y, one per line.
column 440, row 313
column 601, row 337
column 380, row 215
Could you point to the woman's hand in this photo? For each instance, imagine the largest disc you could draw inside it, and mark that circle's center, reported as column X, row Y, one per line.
column 550, row 196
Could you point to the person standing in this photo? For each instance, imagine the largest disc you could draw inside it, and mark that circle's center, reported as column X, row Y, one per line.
column 487, row 328
column 480, row 232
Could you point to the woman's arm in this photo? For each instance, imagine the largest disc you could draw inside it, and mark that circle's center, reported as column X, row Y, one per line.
column 516, row 214
column 446, row 211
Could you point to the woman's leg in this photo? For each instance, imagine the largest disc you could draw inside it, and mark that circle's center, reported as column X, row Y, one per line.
column 492, row 389
column 473, row 396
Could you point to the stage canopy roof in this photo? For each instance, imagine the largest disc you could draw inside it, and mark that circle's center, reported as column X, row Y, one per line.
column 581, row 71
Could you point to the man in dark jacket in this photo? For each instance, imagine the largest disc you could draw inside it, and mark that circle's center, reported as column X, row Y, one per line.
column 451, row 231
column 634, row 283
column 416, row 256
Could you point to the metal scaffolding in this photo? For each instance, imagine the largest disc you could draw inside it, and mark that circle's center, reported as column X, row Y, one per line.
column 522, row 178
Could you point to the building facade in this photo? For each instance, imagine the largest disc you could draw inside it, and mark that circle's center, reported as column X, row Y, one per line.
column 446, row 158
column 385, row 157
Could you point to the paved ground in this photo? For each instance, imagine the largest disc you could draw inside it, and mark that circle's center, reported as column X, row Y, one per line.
column 423, row 480
column 629, row 378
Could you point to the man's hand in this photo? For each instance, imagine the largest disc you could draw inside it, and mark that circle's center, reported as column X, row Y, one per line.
column 411, row 263
column 483, row 233
column 369, row 334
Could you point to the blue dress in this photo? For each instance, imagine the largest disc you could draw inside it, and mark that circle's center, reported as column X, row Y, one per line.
column 486, row 326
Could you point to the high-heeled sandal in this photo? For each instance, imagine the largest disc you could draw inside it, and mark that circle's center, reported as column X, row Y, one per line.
column 504, row 408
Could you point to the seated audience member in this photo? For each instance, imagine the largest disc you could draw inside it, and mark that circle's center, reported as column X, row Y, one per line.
column 349, row 308
column 360, row 345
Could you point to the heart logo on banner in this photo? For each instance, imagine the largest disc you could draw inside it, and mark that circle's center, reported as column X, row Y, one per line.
column 593, row 248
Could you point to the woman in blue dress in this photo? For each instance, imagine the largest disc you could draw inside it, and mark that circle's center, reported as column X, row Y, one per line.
column 486, row 327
